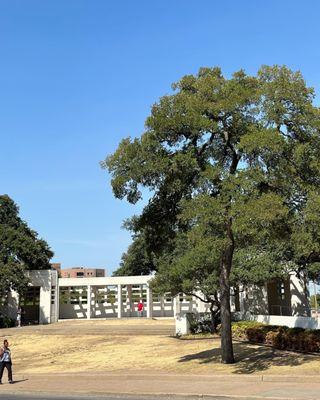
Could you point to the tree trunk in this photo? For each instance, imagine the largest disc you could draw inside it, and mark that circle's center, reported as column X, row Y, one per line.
column 226, row 335
column 214, row 317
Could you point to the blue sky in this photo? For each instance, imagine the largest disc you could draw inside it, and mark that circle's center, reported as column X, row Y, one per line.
column 77, row 76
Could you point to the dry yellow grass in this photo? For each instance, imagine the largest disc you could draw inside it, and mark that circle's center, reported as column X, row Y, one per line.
column 44, row 350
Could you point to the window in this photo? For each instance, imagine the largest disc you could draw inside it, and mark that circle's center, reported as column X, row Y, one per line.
column 111, row 296
column 168, row 297
column 156, row 298
column 64, row 295
column 281, row 290
column 31, row 297
column 101, row 296
column 53, row 295
column 74, row 296
column 84, row 296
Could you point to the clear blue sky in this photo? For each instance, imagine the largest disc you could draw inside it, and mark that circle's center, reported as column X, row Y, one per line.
column 76, row 76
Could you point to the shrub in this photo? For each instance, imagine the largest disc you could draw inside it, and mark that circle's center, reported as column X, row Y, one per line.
column 251, row 331
column 6, row 322
column 200, row 323
column 280, row 337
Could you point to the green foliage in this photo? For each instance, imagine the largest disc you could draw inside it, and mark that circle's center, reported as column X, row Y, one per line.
column 20, row 249
column 251, row 330
column 280, row 337
column 313, row 302
column 6, row 322
column 201, row 323
column 137, row 260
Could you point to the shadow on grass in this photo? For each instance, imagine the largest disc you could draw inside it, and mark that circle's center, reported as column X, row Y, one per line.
column 252, row 358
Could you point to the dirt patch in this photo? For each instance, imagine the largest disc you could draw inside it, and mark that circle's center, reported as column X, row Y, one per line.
column 42, row 350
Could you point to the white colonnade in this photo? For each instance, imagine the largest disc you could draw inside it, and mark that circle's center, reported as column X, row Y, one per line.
column 115, row 297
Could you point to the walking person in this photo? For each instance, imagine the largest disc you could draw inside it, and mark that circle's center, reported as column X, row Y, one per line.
column 5, row 361
column 140, row 308
column 19, row 312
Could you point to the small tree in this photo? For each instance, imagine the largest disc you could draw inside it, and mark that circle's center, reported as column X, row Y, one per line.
column 189, row 270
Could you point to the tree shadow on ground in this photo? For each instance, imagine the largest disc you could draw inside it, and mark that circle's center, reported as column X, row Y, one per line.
column 252, row 358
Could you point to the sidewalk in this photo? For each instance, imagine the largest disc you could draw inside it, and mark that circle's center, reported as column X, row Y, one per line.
column 142, row 383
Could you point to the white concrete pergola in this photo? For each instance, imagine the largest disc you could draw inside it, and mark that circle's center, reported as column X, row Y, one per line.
column 118, row 281
column 88, row 298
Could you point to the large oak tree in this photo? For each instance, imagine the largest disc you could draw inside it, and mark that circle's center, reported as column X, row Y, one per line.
column 233, row 163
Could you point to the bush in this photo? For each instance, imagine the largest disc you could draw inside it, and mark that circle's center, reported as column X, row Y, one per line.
column 280, row 337
column 200, row 323
column 250, row 330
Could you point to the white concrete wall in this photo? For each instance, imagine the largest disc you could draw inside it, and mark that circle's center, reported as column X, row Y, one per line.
column 12, row 307
column 291, row 322
column 300, row 304
column 106, row 281
column 254, row 299
column 73, row 311
column 45, row 279
column 182, row 324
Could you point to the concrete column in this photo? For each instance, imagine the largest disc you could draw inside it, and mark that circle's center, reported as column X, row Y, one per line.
column 242, row 299
column 200, row 305
column 176, row 305
column 57, row 305
column 129, row 300
column 232, row 300
column 89, row 302
column 262, row 305
column 45, row 301
column 13, row 304
column 162, row 306
column 45, row 305
column 149, row 302
column 119, row 301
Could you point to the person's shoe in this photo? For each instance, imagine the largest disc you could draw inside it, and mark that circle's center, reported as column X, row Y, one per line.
column 10, row 381
column 0, row 383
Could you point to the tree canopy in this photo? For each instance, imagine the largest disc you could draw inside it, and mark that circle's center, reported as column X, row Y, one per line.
column 234, row 170
column 137, row 260
column 20, row 248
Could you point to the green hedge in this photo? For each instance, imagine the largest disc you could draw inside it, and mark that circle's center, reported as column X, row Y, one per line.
column 280, row 337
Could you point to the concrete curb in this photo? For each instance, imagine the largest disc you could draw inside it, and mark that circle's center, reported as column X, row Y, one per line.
column 172, row 377
column 143, row 396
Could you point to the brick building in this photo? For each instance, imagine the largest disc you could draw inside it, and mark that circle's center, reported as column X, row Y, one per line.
column 82, row 272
